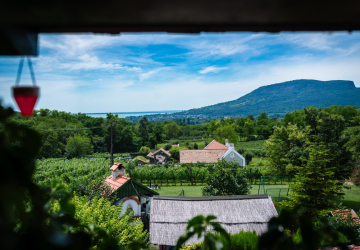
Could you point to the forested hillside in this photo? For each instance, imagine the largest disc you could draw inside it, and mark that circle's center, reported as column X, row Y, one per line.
column 278, row 99
column 75, row 135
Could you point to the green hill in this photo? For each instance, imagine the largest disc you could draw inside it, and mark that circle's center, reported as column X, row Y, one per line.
column 278, row 99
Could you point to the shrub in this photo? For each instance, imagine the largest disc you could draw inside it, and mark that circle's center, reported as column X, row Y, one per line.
column 175, row 152
column 239, row 241
column 355, row 177
column 144, row 150
column 225, row 179
column 78, row 146
column 195, row 246
column 167, row 146
column 247, row 154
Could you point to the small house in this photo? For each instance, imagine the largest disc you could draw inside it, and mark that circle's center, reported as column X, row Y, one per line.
column 129, row 192
column 169, row 215
column 160, row 156
column 212, row 153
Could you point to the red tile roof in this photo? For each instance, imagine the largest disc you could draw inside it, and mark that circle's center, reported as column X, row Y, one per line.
column 115, row 166
column 350, row 248
column 201, row 155
column 117, row 182
column 216, row 145
column 345, row 213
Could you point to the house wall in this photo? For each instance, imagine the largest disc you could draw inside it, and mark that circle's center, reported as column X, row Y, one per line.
column 126, row 202
column 236, row 158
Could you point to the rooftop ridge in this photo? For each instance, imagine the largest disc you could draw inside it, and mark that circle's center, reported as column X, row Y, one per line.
column 210, row 198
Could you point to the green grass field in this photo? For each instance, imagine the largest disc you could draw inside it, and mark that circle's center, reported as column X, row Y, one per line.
column 351, row 199
column 194, row 191
column 251, row 145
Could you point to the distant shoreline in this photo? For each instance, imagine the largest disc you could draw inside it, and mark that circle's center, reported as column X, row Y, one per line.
column 136, row 113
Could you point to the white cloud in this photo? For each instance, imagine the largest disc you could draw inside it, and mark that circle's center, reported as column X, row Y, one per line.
column 212, row 69
column 146, row 75
column 99, row 73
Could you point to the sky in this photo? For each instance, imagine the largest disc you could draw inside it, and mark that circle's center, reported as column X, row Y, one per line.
column 158, row 71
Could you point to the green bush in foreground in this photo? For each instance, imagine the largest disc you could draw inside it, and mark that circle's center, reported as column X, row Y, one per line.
column 100, row 213
column 239, row 241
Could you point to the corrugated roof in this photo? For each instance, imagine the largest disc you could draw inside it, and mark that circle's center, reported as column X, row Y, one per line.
column 169, row 217
column 201, row 155
column 216, row 145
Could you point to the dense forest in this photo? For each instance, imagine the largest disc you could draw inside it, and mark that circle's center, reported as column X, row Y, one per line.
column 73, row 135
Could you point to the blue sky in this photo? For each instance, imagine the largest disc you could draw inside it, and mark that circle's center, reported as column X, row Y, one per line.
column 159, row 71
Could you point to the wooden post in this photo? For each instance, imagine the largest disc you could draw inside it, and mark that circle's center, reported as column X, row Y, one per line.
column 111, row 147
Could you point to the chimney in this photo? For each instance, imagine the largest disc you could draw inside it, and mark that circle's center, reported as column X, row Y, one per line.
column 230, row 145
column 117, row 169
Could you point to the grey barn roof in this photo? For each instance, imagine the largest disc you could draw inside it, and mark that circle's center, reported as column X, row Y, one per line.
column 169, row 215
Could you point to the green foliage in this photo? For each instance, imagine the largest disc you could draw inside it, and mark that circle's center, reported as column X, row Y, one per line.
column 196, row 146
column 78, row 146
column 84, row 177
column 355, row 177
column 195, row 246
column 247, row 154
column 143, row 130
column 225, row 131
column 353, row 145
column 294, row 230
column 225, row 178
column 144, row 150
column 25, row 206
column 175, row 152
column 316, row 187
column 102, row 214
column 172, row 130
column 239, row 241
column 199, row 226
column 167, row 146
column 131, row 166
column 287, row 146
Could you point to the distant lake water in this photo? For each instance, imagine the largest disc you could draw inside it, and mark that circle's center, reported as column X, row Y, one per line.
column 126, row 114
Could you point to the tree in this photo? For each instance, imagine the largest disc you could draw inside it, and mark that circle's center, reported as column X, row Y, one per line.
column 226, row 132
column 144, row 150
column 26, row 220
column 152, row 141
column 143, row 130
column 175, row 152
column 286, row 148
column 316, row 187
column 172, row 130
column 196, row 146
column 249, row 128
column 224, row 178
column 78, row 146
